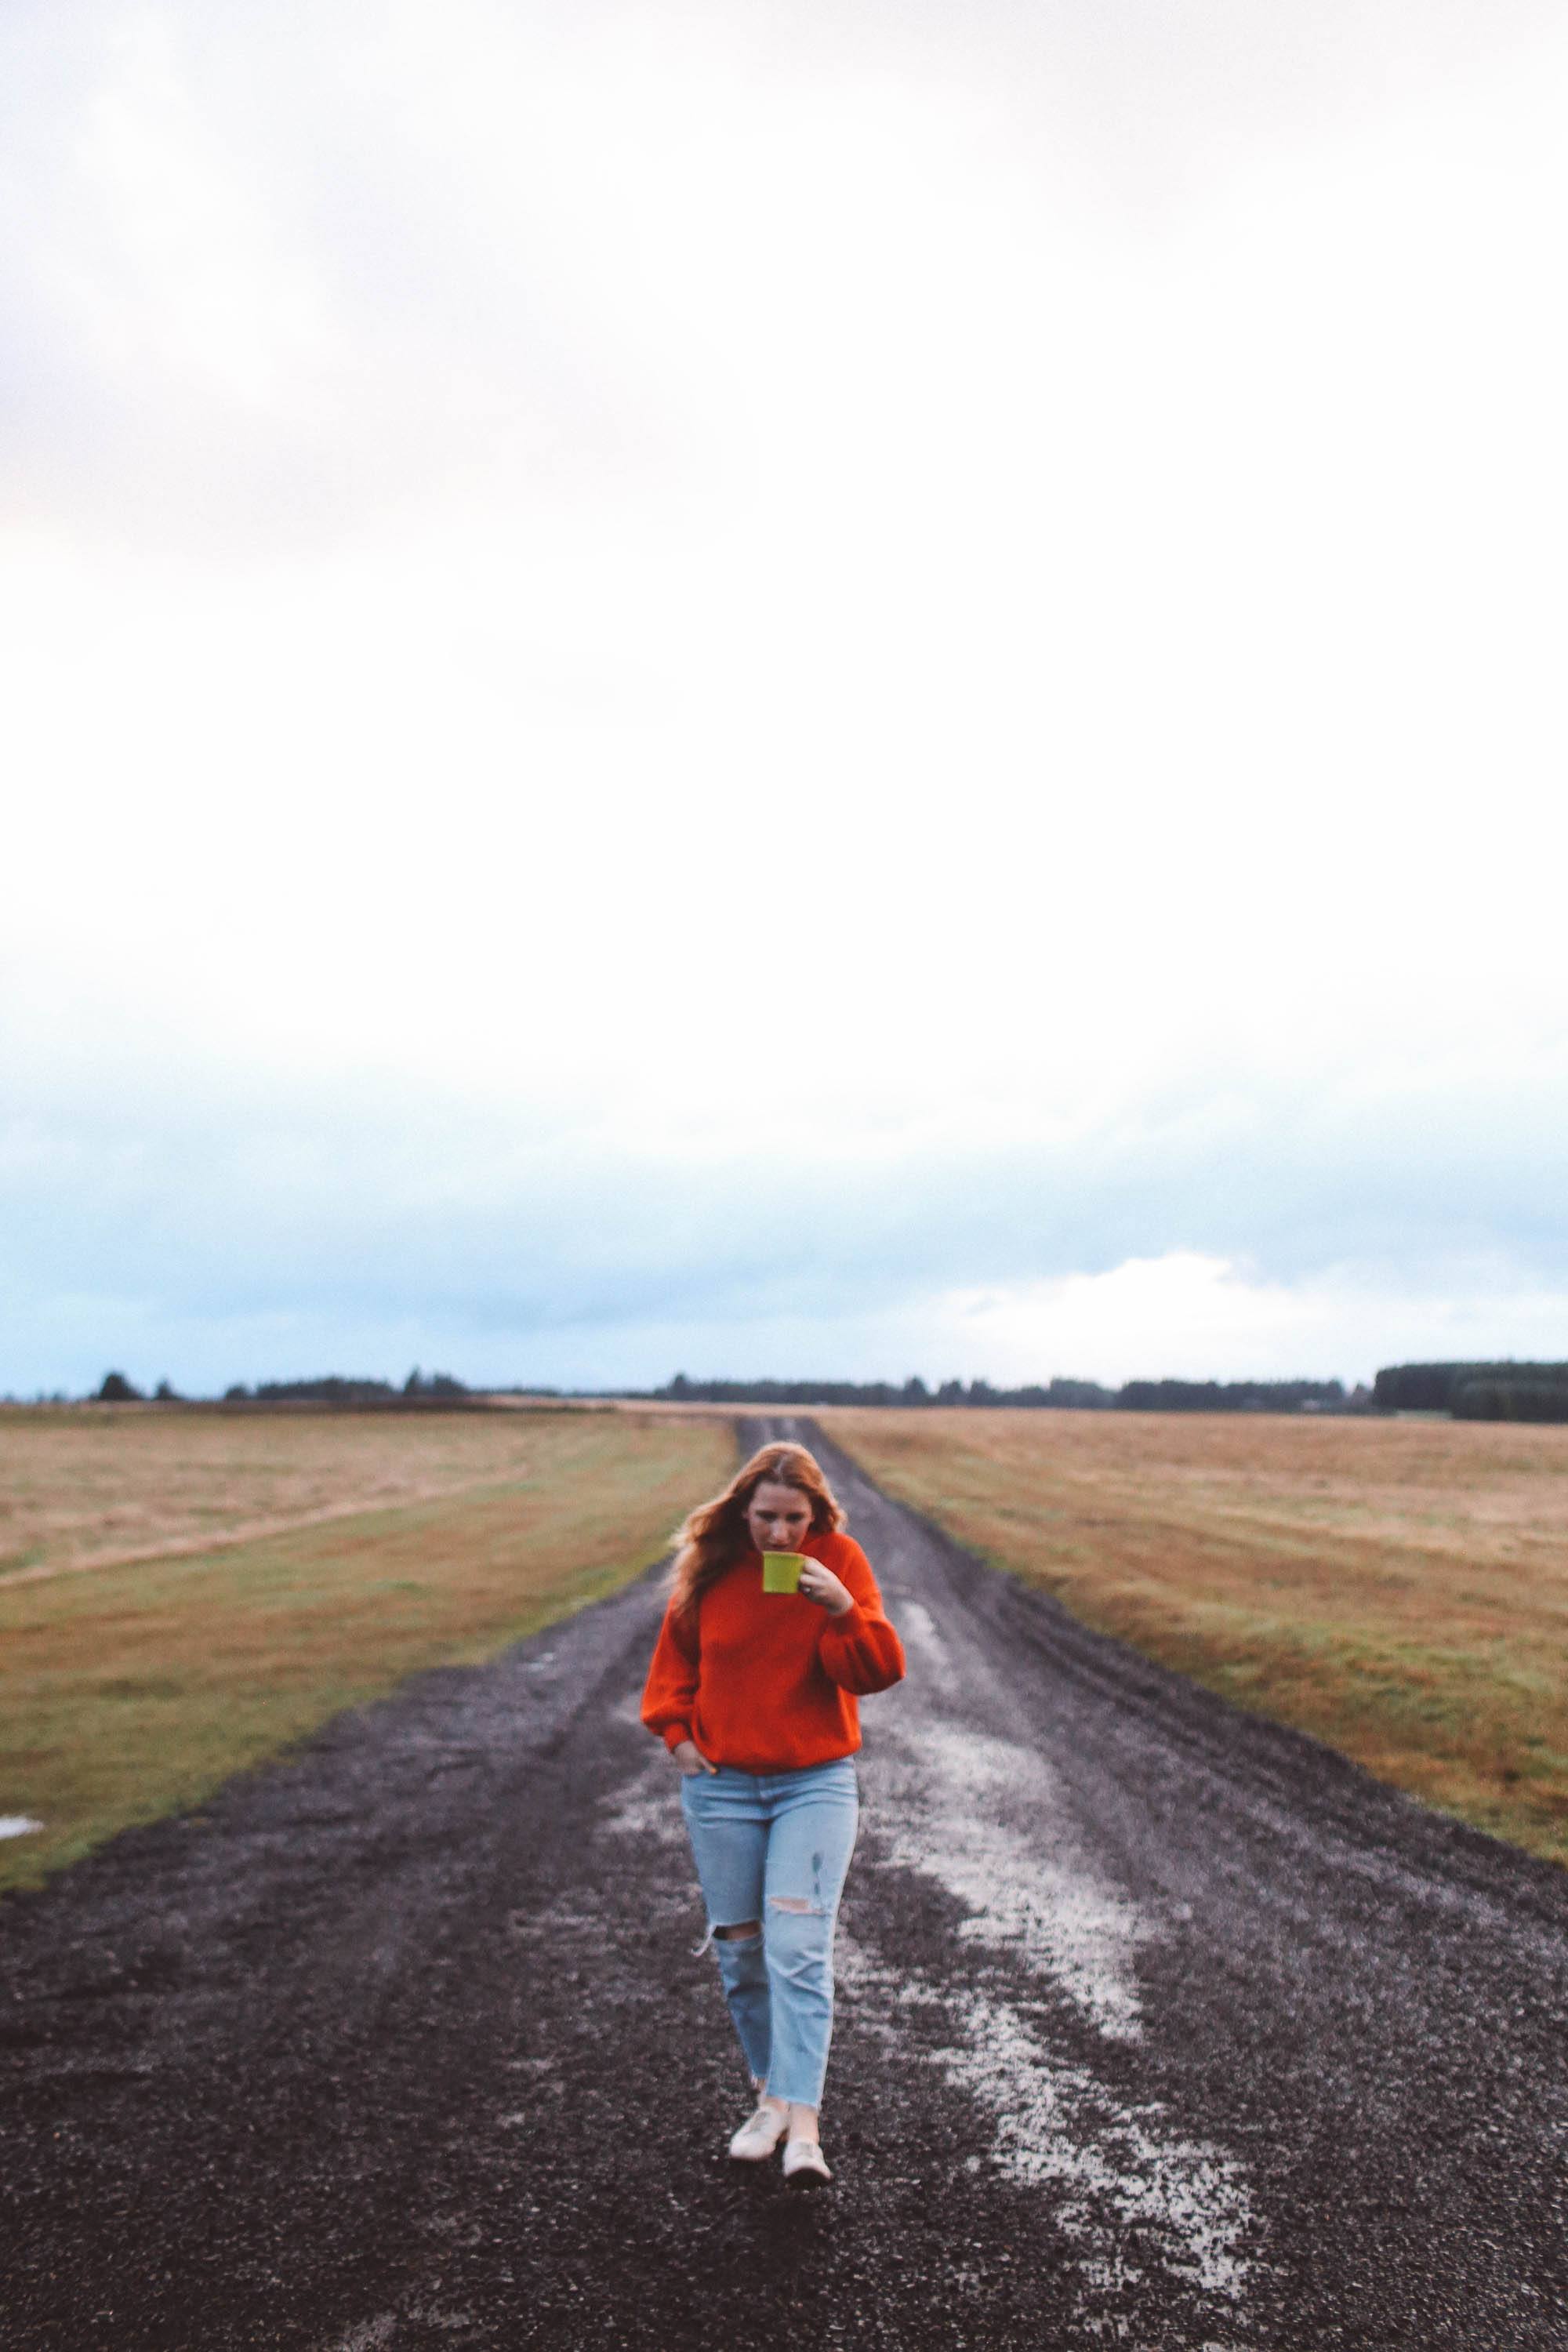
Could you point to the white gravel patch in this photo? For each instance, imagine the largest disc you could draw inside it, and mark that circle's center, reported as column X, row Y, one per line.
column 953, row 1814
column 984, row 1818
column 918, row 1629
column 650, row 1807
column 1057, row 2126
column 369, row 2335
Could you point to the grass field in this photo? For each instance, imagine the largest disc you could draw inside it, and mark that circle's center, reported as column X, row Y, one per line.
column 1399, row 1588
column 96, row 1484
column 135, row 1686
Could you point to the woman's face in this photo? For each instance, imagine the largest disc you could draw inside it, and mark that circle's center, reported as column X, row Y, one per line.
column 779, row 1518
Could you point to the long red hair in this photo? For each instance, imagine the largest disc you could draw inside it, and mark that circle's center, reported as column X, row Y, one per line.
column 714, row 1536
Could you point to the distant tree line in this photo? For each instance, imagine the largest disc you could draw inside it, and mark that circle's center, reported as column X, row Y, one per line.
column 333, row 1388
column 117, row 1390
column 419, row 1389
column 1468, row 1391
column 1474, row 1391
column 1136, row 1396
column 1232, row 1396
column 681, row 1390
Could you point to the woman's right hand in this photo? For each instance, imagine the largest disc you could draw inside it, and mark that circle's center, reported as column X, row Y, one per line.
column 688, row 1760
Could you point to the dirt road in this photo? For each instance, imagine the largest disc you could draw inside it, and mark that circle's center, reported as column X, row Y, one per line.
column 1159, row 2028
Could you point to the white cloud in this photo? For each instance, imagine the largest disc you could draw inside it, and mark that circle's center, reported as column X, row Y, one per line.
column 1199, row 1317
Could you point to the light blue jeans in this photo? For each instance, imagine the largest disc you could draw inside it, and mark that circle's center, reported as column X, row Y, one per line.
column 765, row 1843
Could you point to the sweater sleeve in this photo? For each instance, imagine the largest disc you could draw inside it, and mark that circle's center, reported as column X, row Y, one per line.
column 671, row 1689
column 859, row 1650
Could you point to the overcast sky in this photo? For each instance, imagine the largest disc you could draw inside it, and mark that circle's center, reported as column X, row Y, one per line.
column 803, row 688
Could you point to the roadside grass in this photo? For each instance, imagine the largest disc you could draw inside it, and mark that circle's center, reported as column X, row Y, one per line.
column 85, row 1485
column 1397, row 1589
column 131, row 1691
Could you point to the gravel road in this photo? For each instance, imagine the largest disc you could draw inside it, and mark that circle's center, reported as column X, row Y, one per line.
column 1158, row 2028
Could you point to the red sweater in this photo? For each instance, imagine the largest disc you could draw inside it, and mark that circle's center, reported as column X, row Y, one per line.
column 767, row 1681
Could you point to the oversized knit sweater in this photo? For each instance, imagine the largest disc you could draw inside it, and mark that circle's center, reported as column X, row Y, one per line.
column 769, row 1682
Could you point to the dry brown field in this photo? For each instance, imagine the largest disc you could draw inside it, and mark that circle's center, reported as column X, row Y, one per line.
column 189, row 1592
column 1398, row 1587
column 94, row 1485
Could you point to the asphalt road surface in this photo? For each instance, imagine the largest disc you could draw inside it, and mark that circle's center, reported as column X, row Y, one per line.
column 1158, row 2028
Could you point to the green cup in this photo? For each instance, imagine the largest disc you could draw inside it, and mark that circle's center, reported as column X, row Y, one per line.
column 781, row 1571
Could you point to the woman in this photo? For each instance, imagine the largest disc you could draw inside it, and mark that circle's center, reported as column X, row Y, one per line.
column 753, row 1693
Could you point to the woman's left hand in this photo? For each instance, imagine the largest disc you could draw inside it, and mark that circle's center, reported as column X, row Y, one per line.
column 820, row 1584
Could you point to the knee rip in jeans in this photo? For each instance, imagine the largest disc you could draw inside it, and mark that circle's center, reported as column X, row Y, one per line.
column 744, row 1934
column 795, row 1903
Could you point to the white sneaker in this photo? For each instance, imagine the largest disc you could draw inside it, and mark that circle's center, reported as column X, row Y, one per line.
column 803, row 2165
column 759, row 2135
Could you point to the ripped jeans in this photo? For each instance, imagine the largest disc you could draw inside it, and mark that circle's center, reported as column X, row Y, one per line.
column 775, row 1846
